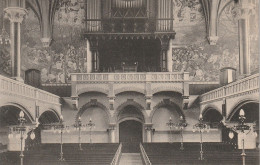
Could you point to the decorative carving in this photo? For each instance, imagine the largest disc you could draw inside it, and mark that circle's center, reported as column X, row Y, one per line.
column 148, row 100
column 213, row 40
column 15, row 14
column 111, row 102
column 46, row 42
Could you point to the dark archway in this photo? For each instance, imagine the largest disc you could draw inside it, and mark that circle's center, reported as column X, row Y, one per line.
column 251, row 112
column 48, row 117
column 130, row 135
column 9, row 115
column 213, row 117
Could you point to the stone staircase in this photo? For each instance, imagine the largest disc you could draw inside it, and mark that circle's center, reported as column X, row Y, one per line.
column 130, row 159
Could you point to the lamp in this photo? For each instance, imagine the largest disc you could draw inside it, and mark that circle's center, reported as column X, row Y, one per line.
column 170, row 124
column 241, row 128
column 181, row 125
column 201, row 127
column 78, row 126
column 23, row 131
column 91, row 125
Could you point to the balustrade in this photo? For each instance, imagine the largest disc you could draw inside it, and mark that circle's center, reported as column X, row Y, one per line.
column 243, row 85
column 10, row 86
column 134, row 77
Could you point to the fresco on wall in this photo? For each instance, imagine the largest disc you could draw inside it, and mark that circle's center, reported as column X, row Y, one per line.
column 191, row 51
column 66, row 53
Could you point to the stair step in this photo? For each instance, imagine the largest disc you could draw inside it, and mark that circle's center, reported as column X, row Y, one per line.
column 130, row 159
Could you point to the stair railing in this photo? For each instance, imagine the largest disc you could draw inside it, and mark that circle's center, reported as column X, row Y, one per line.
column 115, row 160
column 144, row 155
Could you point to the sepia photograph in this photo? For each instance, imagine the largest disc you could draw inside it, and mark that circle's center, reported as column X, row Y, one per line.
column 129, row 82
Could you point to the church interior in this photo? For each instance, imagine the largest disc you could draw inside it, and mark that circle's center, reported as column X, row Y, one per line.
column 129, row 82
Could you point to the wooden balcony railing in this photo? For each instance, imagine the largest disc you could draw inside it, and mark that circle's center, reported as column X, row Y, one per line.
column 246, row 84
column 10, row 86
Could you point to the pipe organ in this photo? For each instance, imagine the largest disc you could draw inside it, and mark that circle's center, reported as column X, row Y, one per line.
column 129, row 16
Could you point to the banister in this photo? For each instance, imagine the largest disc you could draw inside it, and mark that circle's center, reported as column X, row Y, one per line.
column 144, row 155
column 115, row 160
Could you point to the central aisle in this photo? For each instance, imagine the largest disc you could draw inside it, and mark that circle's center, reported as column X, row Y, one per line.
column 130, row 159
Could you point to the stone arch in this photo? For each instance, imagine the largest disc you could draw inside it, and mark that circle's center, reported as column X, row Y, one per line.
column 238, row 106
column 92, row 89
column 212, row 116
column 21, row 107
column 167, row 103
column 129, row 89
column 132, row 103
column 167, row 89
column 49, row 113
column 209, row 107
column 93, row 103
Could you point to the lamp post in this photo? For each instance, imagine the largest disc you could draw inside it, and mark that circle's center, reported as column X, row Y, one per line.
column 181, row 125
column 60, row 125
column 23, row 130
column 241, row 128
column 170, row 124
column 201, row 127
column 79, row 125
column 90, row 125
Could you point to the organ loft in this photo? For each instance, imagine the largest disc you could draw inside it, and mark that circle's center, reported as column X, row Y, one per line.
column 129, row 82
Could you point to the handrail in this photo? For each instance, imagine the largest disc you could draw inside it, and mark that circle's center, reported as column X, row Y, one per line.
column 115, row 160
column 246, row 84
column 144, row 155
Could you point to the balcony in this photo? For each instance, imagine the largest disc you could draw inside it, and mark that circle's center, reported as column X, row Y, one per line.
column 26, row 96
column 244, row 85
column 113, row 83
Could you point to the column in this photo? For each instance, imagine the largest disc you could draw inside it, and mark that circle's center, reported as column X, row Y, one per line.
column 245, row 8
column 16, row 14
column 95, row 55
column 169, row 57
column 89, row 58
column 149, row 131
column 112, row 132
column 164, row 54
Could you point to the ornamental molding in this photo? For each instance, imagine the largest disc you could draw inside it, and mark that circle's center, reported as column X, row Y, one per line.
column 15, row 14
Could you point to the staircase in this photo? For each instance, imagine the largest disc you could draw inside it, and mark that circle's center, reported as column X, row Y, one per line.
column 130, row 159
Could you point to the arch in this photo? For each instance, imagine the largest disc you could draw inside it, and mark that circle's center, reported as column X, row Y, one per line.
column 92, row 89
column 49, row 115
column 210, row 106
column 167, row 89
column 212, row 116
column 93, row 103
column 239, row 105
column 21, row 107
column 131, row 103
column 167, row 103
column 129, row 89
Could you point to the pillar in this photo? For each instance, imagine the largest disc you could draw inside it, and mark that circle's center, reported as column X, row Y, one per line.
column 15, row 12
column 149, row 131
column 169, row 57
column 95, row 55
column 89, row 58
column 112, row 132
column 245, row 8
column 164, row 54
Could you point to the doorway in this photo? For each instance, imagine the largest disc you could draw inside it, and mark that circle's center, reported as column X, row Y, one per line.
column 130, row 135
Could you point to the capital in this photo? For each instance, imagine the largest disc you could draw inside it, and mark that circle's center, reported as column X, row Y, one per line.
column 213, row 40
column 15, row 14
column 46, row 42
